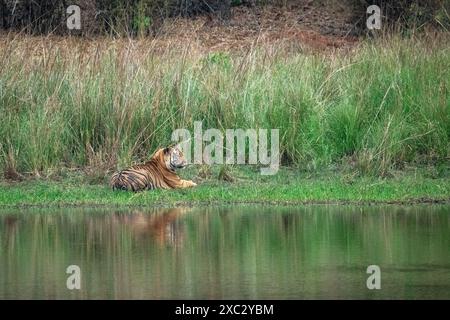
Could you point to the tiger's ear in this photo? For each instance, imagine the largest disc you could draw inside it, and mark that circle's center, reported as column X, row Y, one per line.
column 171, row 147
column 167, row 150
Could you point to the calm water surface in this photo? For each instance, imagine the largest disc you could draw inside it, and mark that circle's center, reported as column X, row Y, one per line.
column 226, row 253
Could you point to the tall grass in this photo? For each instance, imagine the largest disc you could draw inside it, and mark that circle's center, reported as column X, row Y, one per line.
column 68, row 103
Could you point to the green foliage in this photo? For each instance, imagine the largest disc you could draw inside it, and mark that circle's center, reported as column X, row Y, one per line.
column 383, row 107
column 221, row 59
column 141, row 20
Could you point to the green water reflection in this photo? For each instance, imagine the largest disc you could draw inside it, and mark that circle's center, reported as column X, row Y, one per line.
column 226, row 253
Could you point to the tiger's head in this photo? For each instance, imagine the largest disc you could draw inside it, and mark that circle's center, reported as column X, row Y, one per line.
column 174, row 158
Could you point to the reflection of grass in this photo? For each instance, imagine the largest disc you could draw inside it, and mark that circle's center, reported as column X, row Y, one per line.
column 287, row 187
column 221, row 252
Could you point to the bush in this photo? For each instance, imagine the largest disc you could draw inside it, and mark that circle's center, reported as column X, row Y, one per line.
column 408, row 14
column 110, row 16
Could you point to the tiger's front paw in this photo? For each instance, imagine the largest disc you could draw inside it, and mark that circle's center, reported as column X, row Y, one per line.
column 191, row 183
column 188, row 184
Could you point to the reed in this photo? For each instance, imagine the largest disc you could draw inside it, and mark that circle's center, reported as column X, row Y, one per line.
column 105, row 103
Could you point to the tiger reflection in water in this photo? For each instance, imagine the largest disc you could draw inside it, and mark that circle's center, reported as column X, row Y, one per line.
column 161, row 225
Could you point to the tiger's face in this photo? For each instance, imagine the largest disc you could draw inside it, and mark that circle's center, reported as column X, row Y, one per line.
column 174, row 158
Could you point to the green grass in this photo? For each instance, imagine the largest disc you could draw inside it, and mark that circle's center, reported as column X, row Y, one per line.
column 289, row 187
column 104, row 104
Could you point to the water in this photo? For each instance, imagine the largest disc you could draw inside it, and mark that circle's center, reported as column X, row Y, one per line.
column 226, row 253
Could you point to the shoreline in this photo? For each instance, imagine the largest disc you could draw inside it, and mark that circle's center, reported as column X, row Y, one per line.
column 406, row 203
column 288, row 188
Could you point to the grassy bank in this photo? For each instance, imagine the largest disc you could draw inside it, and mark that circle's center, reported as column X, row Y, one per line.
column 288, row 187
column 103, row 104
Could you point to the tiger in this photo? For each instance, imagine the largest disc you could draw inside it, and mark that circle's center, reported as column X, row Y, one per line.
column 157, row 173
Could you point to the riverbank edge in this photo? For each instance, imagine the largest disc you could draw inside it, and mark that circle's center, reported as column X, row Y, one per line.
column 288, row 189
column 192, row 204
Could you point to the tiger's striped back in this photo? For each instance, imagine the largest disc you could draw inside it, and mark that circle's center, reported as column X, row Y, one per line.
column 135, row 178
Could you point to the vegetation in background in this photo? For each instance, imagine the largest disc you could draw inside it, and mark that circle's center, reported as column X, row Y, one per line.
column 130, row 17
column 408, row 15
column 106, row 104
column 138, row 17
